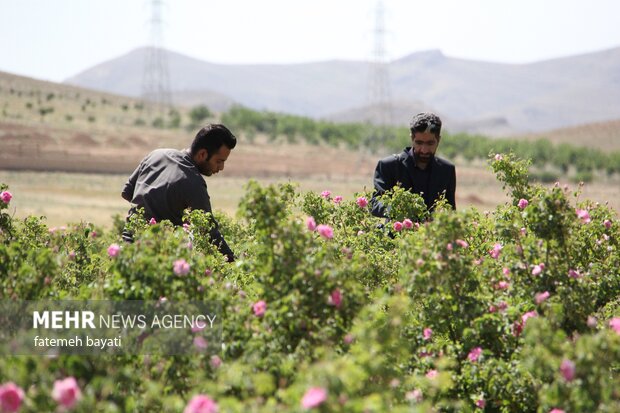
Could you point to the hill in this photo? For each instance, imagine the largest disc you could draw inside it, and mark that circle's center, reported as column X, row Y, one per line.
column 516, row 97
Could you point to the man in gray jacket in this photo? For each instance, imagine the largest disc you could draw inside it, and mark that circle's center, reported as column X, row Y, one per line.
column 168, row 181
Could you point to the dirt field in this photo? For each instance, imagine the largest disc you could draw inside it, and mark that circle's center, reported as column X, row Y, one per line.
column 73, row 197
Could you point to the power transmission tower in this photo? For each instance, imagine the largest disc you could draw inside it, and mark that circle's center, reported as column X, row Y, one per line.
column 155, row 78
column 379, row 100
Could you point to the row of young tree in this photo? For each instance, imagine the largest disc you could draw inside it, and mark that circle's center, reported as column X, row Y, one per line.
column 550, row 160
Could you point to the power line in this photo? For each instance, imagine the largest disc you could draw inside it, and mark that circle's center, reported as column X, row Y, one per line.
column 156, row 78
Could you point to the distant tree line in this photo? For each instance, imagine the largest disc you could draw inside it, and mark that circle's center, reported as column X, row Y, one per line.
column 551, row 161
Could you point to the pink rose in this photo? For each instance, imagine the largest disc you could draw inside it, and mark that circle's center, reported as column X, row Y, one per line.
column 498, row 157
column 414, row 395
column 506, row 271
column 537, row 270
column 6, row 197
column 337, row 199
column 314, row 397
column 607, row 223
column 522, row 203
column 11, row 395
column 200, row 343
column 583, row 215
column 481, row 403
column 474, row 354
column 325, row 194
column 348, row 339
column 335, row 298
column 407, row 223
column 325, row 231
column 461, row 243
column 573, row 274
column 259, row 308
column 180, row 267
column 502, row 285
column 114, row 250
column 201, row 404
column 398, row 226
column 361, row 202
column 528, row 315
column 449, row 246
column 152, row 221
column 431, row 374
column 556, row 410
column 66, row 392
column 310, row 223
column 541, row 297
column 567, row 368
column 614, row 323
column 427, row 333
column 216, row 361
column 497, row 248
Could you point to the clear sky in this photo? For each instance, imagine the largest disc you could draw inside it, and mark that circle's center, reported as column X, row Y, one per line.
column 55, row 39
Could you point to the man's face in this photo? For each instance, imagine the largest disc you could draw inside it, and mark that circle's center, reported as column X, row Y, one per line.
column 215, row 163
column 424, row 146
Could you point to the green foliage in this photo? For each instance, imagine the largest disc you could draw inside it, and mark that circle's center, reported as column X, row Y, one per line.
column 510, row 309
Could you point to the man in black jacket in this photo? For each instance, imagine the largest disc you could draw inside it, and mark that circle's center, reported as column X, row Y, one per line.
column 417, row 168
column 168, row 181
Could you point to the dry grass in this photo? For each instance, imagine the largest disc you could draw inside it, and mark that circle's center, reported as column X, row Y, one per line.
column 72, row 197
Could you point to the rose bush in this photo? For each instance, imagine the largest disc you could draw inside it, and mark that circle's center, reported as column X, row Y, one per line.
column 330, row 309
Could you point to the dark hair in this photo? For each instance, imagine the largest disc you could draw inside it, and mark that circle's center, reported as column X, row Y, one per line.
column 425, row 122
column 211, row 138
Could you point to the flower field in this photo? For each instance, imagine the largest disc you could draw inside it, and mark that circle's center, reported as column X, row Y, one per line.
column 329, row 309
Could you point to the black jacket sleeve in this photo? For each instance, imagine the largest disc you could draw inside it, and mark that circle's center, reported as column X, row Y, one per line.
column 383, row 181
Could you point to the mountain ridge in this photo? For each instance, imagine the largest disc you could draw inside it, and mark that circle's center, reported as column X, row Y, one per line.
column 530, row 97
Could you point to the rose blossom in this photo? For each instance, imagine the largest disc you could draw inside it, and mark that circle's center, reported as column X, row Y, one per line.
column 335, row 298
column 325, row 231
column 427, row 333
column 11, row 396
column 407, row 223
column 567, row 368
column 259, row 308
column 474, row 354
column 583, row 215
column 414, row 395
column 502, row 285
column 361, row 202
column 180, row 267
column 398, row 226
column 522, row 203
column 574, row 274
column 310, row 223
column 201, row 404
column 152, row 221
column 497, row 248
column 431, row 374
column 66, row 392
column 325, row 194
column 614, row 323
column 216, row 361
column 481, row 403
column 498, row 157
column 461, row 243
column 314, row 397
column 6, row 197
column 556, row 410
column 114, row 250
column 541, row 297
column 607, row 223
column 337, row 199
column 537, row 269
